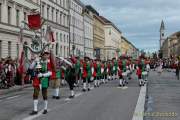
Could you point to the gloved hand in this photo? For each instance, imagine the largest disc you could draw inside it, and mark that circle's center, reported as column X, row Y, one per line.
column 40, row 75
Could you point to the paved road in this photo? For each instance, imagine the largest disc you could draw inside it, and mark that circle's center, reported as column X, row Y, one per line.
column 163, row 101
column 109, row 102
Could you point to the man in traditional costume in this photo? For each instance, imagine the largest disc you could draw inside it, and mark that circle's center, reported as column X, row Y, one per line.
column 41, row 77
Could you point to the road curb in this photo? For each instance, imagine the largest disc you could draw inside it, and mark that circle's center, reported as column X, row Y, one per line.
column 14, row 89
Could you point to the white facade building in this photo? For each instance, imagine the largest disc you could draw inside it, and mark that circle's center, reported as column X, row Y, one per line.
column 112, row 38
column 76, row 27
column 88, row 33
column 12, row 13
column 56, row 13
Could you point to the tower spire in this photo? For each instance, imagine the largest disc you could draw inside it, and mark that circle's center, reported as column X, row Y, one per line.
column 162, row 33
column 162, row 26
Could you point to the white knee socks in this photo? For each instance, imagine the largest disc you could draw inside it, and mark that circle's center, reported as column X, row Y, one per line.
column 35, row 105
column 45, row 104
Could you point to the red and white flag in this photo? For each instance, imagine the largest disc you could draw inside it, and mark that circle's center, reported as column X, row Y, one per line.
column 49, row 37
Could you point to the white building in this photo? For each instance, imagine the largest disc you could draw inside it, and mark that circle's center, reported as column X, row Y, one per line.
column 56, row 13
column 76, row 27
column 112, row 38
column 12, row 13
column 88, row 33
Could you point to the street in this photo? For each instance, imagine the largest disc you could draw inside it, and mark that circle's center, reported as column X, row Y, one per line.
column 109, row 102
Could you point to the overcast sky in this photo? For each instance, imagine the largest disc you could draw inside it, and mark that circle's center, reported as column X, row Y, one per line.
column 139, row 20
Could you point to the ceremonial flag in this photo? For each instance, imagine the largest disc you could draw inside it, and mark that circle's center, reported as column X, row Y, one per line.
column 34, row 21
column 49, row 35
column 21, row 67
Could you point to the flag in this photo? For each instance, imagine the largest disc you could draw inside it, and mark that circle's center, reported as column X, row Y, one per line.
column 116, row 55
column 49, row 37
column 34, row 21
column 21, row 67
column 20, row 37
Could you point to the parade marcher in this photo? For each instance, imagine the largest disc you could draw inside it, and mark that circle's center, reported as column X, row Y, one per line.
column 115, row 69
column 109, row 70
column 55, row 80
column 105, row 72
column 120, row 72
column 124, row 71
column 70, row 77
column 177, row 69
column 102, row 73
column 94, row 72
column 86, row 74
column 98, row 74
column 77, row 71
column 41, row 77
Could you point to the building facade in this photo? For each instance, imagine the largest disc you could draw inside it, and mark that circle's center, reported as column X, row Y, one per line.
column 76, row 27
column 12, row 13
column 56, row 14
column 112, row 39
column 88, row 33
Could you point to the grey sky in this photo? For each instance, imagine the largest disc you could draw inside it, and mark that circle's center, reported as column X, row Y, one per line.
column 139, row 20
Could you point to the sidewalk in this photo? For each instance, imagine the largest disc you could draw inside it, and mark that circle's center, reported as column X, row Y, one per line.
column 163, row 97
column 15, row 88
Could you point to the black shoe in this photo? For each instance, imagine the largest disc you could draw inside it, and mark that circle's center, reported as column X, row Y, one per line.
column 57, row 98
column 120, row 85
column 71, row 97
column 53, row 97
column 84, row 90
column 89, row 89
column 45, row 112
column 34, row 113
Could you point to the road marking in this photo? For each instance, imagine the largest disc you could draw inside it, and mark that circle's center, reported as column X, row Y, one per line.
column 12, row 97
column 123, row 88
column 76, row 95
column 35, row 116
column 67, row 99
column 139, row 110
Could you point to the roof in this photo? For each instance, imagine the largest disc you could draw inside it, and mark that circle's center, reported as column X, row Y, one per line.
column 89, row 7
column 128, row 42
column 108, row 22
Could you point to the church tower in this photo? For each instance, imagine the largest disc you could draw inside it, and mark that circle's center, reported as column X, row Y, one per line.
column 162, row 34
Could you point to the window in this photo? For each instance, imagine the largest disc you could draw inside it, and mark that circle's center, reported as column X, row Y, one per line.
column 67, row 39
column 64, row 51
column 64, row 20
column 17, row 17
column 42, row 11
column 57, row 48
column 52, row 13
column 17, row 49
column 60, row 36
column 61, row 51
column 9, row 15
column 60, row 18
column 0, row 49
column 0, row 11
column 57, row 36
column 25, row 16
column 9, row 48
column 48, row 13
column 56, row 16
column 64, row 38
